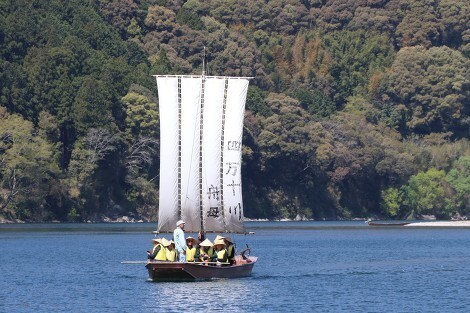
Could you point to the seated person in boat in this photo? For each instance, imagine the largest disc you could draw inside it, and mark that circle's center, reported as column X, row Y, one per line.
column 220, row 253
column 229, row 247
column 201, row 236
column 206, row 250
column 170, row 250
column 158, row 252
column 192, row 249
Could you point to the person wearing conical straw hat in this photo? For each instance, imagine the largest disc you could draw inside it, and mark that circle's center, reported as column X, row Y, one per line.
column 180, row 242
column 158, row 251
column 170, row 251
column 192, row 249
column 220, row 253
column 206, row 250
column 229, row 247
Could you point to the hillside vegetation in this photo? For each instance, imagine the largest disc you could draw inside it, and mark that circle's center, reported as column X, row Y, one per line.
column 356, row 109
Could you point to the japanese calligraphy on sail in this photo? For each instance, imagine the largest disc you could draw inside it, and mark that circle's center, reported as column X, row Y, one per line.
column 201, row 127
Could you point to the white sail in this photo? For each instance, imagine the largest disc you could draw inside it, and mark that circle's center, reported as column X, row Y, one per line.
column 214, row 92
column 232, row 151
column 190, row 149
column 169, row 151
column 201, row 121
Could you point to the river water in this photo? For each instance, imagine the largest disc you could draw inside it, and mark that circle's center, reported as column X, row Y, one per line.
column 302, row 267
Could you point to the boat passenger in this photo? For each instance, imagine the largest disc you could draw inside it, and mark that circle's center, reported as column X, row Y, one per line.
column 158, row 251
column 230, row 250
column 229, row 247
column 206, row 250
column 201, row 236
column 220, row 253
column 192, row 250
column 180, row 242
column 170, row 250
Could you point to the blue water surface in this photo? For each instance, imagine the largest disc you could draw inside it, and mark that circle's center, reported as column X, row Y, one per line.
column 302, row 267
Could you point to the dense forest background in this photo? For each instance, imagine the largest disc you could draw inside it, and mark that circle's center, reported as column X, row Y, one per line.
column 356, row 109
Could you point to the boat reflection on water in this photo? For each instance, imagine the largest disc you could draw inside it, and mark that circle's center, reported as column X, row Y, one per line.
column 204, row 295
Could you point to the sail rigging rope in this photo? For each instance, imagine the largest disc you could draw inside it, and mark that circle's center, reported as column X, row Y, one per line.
column 201, row 209
column 222, row 138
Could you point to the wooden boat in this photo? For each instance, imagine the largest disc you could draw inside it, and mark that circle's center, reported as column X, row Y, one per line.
column 375, row 223
column 175, row 271
column 201, row 128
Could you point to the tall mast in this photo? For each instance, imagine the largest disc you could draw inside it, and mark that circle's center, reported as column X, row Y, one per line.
column 204, row 62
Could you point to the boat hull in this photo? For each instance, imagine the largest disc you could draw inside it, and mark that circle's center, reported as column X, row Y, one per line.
column 175, row 271
column 388, row 224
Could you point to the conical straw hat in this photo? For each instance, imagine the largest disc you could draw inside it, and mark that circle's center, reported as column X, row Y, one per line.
column 219, row 242
column 194, row 240
column 223, row 238
column 206, row 243
column 166, row 242
column 158, row 240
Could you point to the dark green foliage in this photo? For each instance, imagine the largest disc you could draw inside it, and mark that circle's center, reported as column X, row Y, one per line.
column 256, row 101
column 92, row 106
column 190, row 18
column 314, row 102
column 356, row 108
column 356, row 56
column 428, row 88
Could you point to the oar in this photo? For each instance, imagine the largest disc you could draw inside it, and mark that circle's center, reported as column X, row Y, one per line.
column 145, row 262
column 134, row 262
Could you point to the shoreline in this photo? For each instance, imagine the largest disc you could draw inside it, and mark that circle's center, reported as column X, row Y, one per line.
column 126, row 219
column 439, row 224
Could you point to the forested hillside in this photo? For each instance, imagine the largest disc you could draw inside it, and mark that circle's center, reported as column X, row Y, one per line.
column 356, row 109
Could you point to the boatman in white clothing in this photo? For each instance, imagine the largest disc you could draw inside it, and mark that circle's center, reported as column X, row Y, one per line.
column 180, row 241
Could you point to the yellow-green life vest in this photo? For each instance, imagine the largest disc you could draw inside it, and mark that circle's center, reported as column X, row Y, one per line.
column 190, row 253
column 229, row 252
column 161, row 255
column 209, row 252
column 222, row 254
column 170, row 255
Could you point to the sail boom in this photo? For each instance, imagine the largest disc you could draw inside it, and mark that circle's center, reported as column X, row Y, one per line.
column 205, row 76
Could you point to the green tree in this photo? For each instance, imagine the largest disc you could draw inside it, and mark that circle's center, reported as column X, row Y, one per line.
column 420, row 25
column 188, row 17
column 255, row 101
column 425, row 194
column 141, row 115
column 28, row 169
column 141, row 133
column 52, row 76
column 356, row 56
column 391, row 203
column 427, row 88
column 118, row 13
column 83, row 182
column 315, row 102
column 454, row 20
column 143, row 198
column 459, row 178
column 91, row 108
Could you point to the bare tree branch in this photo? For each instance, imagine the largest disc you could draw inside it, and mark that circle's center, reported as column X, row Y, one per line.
column 141, row 153
column 99, row 143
